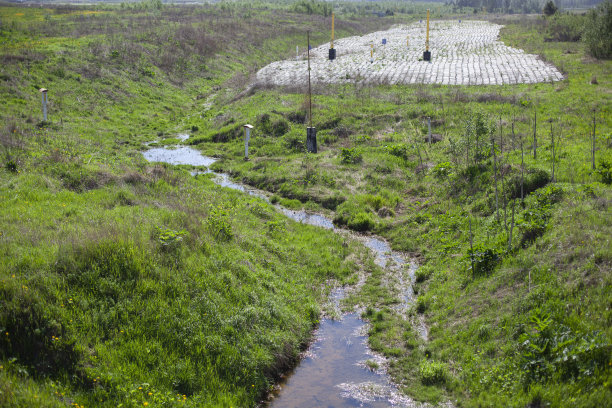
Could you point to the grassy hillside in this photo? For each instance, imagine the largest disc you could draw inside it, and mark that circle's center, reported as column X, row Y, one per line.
column 137, row 284
column 519, row 316
column 131, row 284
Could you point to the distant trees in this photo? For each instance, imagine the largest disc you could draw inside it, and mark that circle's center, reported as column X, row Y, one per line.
column 550, row 8
column 313, row 7
column 598, row 31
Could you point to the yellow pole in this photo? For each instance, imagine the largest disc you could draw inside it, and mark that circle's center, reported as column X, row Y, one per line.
column 407, row 41
column 427, row 37
column 332, row 41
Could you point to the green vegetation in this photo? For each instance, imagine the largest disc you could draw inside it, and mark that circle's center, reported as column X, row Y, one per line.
column 124, row 282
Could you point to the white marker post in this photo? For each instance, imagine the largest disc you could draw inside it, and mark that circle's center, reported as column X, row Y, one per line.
column 43, row 92
column 297, row 52
column 247, row 136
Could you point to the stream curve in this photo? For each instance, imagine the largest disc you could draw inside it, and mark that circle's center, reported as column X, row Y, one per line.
column 339, row 369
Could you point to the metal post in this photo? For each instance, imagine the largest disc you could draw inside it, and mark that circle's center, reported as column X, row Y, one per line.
column 297, row 52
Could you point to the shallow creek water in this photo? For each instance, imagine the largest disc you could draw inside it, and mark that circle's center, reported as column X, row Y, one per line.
column 334, row 372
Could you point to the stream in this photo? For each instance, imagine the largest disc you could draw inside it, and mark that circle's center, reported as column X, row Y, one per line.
column 338, row 370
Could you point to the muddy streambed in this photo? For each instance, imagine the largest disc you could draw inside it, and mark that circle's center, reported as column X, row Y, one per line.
column 338, row 370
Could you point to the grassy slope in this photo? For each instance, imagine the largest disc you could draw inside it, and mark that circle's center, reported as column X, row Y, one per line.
column 532, row 324
column 89, row 162
column 126, row 282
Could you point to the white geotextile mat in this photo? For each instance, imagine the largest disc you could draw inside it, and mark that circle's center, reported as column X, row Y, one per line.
column 463, row 53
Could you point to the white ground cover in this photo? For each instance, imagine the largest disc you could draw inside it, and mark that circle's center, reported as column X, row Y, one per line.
column 463, row 53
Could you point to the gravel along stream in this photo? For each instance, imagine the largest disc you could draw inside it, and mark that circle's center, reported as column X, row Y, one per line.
column 338, row 370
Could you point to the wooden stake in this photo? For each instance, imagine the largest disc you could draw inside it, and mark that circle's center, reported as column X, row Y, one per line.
column 593, row 149
column 511, row 226
column 552, row 142
column 535, row 140
column 495, row 174
column 471, row 247
column 309, row 90
column 522, row 171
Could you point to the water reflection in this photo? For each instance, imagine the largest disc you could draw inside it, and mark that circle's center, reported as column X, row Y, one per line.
column 339, row 370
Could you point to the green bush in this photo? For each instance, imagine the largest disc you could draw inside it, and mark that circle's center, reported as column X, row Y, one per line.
column 484, row 260
column 219, row 224
column 598, row 31
column 551, row 351
column 565, row 27
column 533, row 180
column 398, row 150
column 604, row 170
column 441, row 171
column 432, row 372
column 295, row 141
column 422, row 274
column 30, row 334
column 350, row 156
column 362, row 222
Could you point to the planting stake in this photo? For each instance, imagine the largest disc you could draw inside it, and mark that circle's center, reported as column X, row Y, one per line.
column 247, row 136
column 43, row 92
column 427, row 54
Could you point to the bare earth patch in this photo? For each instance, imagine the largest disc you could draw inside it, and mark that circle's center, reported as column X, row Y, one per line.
column 463, row 53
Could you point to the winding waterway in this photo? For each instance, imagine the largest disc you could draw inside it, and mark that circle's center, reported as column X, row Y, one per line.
column 338, row 370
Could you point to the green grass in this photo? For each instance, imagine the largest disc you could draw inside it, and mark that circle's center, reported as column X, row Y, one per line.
column 373, row 156
column 129, row 283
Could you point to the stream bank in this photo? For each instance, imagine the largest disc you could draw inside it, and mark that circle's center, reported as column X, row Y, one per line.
column 338, row 369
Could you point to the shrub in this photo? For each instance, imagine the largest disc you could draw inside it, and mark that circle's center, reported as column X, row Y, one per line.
column 598, row 31
column 441, row 171
column 565, row 27
column 533, row 180
column 551, row 350
column 219, row 225
column 604, row 170
column 295, row 141
column 422, row 305
column 432, row 372
column 11, row 166
column 422, row 274
column 484, row 260
column 32, row 335
column 362, row 222
column 279, row 128
column 350, row 156
column 169, row 240
column 398, row 150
